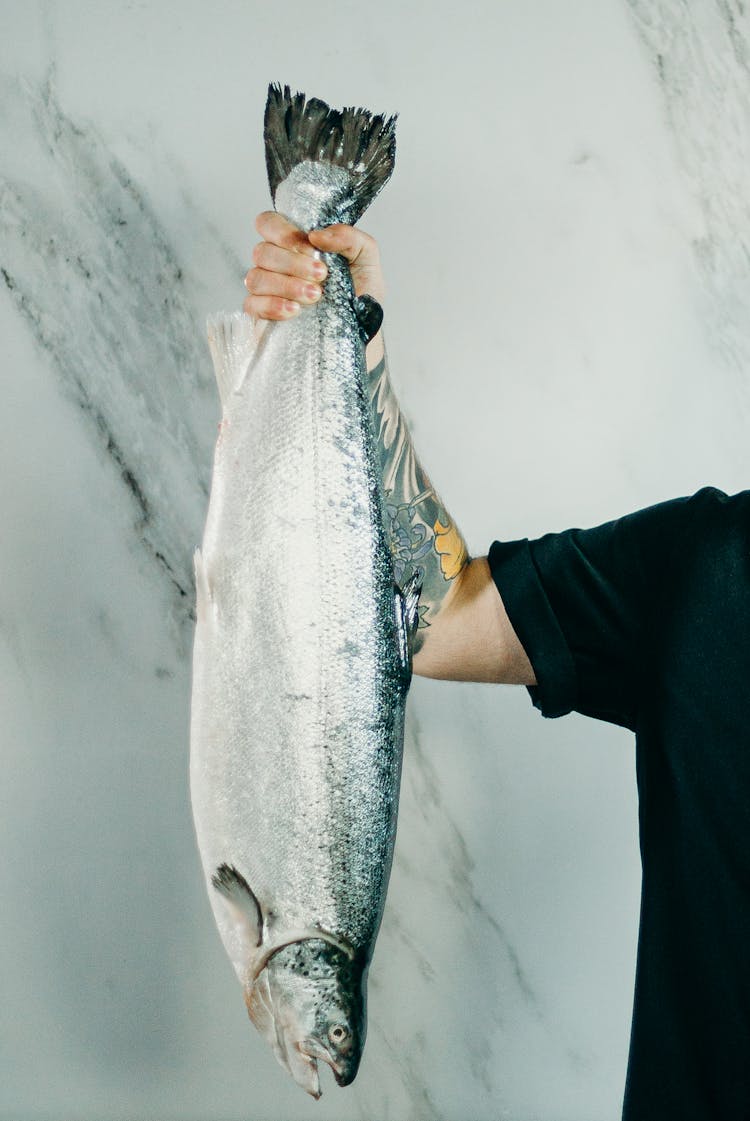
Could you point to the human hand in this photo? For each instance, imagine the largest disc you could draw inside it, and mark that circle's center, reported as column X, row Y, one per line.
column 286, row 274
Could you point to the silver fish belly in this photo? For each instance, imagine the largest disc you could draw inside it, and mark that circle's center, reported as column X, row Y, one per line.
column 301, row 665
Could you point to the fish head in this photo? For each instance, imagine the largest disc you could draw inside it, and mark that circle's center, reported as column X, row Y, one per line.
column 309, row 1004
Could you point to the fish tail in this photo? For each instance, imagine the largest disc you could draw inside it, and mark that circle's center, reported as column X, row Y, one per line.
column 300, row 130
column 232, row 340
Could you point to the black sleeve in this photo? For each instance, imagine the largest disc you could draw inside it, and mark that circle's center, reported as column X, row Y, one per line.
column 582, row 601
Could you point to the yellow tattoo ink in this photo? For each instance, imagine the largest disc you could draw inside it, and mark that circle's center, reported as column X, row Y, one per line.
column 450, row 547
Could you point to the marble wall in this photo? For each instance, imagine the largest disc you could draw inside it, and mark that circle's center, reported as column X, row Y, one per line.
column 566, row 239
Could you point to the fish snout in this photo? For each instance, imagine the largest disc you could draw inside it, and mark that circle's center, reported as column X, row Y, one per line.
column 345, row 1073
column 344, row 1067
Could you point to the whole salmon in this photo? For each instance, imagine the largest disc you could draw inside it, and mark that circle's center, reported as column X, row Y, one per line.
column 301, row 662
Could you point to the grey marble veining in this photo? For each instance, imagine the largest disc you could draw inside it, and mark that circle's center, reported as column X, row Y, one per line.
column 455, row 861
column 100, row 287
column 566, row 249
column 701, row 53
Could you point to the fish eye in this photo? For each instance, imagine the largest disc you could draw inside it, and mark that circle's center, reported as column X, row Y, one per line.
column 337, row 1034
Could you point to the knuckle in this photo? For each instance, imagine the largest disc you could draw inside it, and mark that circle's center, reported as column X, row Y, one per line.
column 293, row 240
column 277, row 305
column 343, row 234
column 261, row 222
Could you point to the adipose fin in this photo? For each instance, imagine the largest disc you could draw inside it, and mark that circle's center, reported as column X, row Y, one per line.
column 369, row 315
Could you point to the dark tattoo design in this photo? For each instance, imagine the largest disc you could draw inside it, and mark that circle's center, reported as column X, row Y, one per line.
column 422, row 536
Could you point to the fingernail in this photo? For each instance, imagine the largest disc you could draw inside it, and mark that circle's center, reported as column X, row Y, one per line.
column 317, row 268
column 313, row 292
column 291, row 307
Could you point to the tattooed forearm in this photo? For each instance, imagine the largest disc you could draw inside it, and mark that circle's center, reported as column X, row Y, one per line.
column 422, row 535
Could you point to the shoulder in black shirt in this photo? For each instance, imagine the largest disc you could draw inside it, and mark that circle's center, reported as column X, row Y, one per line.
column 645, row 622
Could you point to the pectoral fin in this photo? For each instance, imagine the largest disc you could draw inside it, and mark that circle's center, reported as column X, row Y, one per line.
column 239, row 895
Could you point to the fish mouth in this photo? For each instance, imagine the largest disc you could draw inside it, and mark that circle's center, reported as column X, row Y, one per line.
column 304, row 1070
column 313, row 1050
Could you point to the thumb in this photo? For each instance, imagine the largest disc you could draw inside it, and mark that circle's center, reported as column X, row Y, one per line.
column 356, row 246
column 360, row 250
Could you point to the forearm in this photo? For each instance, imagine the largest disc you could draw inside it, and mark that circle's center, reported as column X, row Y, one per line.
column 422, row 535
column 464, row 631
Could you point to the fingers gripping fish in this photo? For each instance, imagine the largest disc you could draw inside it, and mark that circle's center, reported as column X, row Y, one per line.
column 301, row 663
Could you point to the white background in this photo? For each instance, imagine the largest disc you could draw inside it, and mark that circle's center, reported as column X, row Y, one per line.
column 566, row 245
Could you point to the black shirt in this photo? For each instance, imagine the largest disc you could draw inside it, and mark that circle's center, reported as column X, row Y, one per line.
column 645, row 622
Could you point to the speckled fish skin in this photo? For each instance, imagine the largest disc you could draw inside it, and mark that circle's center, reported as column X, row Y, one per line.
column 301, row 665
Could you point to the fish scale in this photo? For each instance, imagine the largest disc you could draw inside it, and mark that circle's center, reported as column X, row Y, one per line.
column 300, row 666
